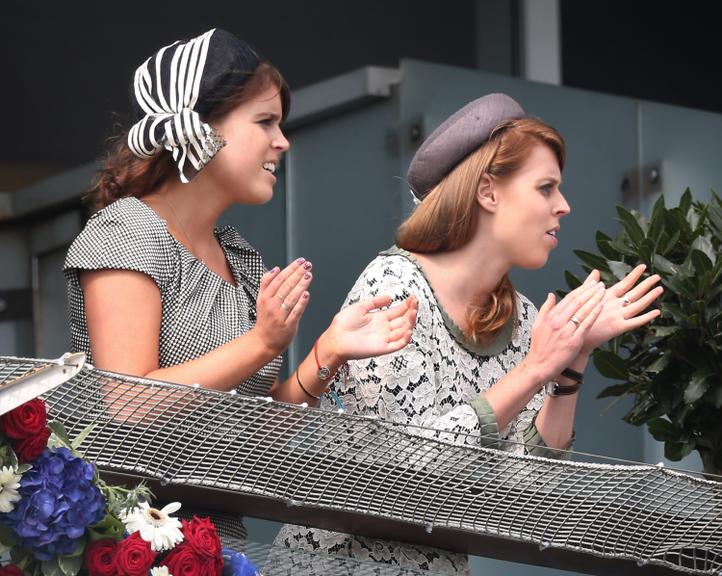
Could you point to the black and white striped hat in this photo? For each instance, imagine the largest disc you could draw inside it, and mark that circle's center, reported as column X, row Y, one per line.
column 173, row 88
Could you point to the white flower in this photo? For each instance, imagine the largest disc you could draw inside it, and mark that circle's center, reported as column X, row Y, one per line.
column 155, row 526
column 9, row 484
column 160, row 571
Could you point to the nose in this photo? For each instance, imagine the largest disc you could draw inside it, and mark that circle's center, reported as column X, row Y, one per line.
column 280, row 142
column 562, row 207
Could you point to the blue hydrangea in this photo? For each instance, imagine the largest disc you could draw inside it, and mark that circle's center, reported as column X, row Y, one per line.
column 59, row 500
column 237, row 564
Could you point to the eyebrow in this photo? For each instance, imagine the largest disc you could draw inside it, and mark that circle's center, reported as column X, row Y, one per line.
column 272, row 115
column 553, row 179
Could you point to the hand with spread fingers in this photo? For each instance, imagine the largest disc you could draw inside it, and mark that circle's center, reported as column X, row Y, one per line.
column 624, row 306
column 282, row 299
column 561, row 329
column 368, row 328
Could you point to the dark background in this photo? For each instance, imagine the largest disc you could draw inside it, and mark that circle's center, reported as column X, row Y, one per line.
column 66, row 66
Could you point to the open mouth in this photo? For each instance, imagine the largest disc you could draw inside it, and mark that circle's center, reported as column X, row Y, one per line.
column 270, row 167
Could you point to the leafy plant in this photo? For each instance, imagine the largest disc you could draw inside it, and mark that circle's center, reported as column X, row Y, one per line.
column 673, row 366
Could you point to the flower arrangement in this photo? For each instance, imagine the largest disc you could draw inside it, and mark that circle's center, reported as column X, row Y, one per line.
column 59, row 518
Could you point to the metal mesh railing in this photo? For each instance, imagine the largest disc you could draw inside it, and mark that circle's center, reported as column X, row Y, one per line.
column 322, row 460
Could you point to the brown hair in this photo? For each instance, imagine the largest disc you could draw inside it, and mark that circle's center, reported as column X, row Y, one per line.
column 447, row 217
column 124, row 174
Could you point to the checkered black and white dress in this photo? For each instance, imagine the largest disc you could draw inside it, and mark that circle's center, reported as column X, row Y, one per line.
column 201, row 311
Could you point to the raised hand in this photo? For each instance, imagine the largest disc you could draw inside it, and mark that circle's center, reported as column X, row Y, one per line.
column 282, row 299
column 560, row 330
column 363, row 330
column 623, row 307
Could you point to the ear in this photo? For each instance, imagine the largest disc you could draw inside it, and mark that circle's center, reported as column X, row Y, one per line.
column 487, row 194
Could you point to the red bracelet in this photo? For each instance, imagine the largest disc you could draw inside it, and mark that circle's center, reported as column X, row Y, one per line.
column 324, row 372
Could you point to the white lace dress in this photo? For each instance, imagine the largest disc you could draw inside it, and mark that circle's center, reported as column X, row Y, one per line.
column 429, row 383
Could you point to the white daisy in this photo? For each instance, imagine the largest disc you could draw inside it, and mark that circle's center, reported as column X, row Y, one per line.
column 9, row 484
column 155, row 526
column 160, row 571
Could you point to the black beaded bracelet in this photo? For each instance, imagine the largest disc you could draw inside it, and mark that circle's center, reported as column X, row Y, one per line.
column 298, row 379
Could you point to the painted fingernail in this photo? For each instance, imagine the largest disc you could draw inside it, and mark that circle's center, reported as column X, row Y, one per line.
column 305, row 295
column 274, row 270
column 307, row 265
column 307, row 275
column 300, row 261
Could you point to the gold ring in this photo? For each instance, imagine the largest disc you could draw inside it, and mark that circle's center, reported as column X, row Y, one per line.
column 281, row 298
column 283, row 305
column 626, row 301
column 574, row 320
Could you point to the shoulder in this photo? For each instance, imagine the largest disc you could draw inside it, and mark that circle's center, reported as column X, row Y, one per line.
column 126, row 234
column 389, row 273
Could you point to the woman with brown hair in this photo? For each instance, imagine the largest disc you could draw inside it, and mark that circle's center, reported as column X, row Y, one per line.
column 155, row 289
column 483, row 366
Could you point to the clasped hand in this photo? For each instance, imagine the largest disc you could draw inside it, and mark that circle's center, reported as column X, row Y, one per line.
column 587, row 317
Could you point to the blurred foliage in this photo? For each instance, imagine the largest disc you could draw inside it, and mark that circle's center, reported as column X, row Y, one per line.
column 673, row 366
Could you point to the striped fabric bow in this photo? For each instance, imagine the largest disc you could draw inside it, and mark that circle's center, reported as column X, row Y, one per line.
column 166, row 89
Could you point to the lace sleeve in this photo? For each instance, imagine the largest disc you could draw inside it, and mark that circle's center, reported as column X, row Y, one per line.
column 402, row 387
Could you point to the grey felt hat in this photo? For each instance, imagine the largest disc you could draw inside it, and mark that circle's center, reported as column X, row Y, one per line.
column 459, row 135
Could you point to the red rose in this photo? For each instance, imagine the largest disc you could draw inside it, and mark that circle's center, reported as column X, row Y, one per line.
column 26, row 420
column 10, row 570
column 200, row 534
column 134, row 556
column 28, row 449
column 183, row 561
column 100, row 557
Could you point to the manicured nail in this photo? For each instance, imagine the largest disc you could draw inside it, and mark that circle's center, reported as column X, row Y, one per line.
column 305, row 296
column 300, row 261
column 307, row 265
column 307, row 275
column 274, row 270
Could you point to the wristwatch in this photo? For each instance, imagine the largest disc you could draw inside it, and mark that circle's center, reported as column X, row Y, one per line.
column 553, row 388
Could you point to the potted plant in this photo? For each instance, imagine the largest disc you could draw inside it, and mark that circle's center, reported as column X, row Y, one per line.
column 673, row 366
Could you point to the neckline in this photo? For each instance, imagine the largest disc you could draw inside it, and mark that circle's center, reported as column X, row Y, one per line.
column 216, row 232
column 493, row 348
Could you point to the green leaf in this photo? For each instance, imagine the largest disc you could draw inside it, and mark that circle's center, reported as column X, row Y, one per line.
column 7, row 536
column 662, row 429
column 659, row 364
column 677, row 450
column 610, row 365
column 61, row 434
column 702, row 264
column 631, row 225
column 619, row 269
column 661, row 264
column 667, row 243
column 621, row 246
column 663, row 331
column 572, row 281
column 703, row 244
column 685, row 202
column 109, row 527
column 718, row 397
column 615, row 390
column 52, row 568
column 656, row 222
column 698, row 385
column 592, row 260
column 71, row 565
column 681, row 286
column 78, row 440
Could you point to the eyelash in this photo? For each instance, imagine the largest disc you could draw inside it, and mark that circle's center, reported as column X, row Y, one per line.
column 547, row 188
